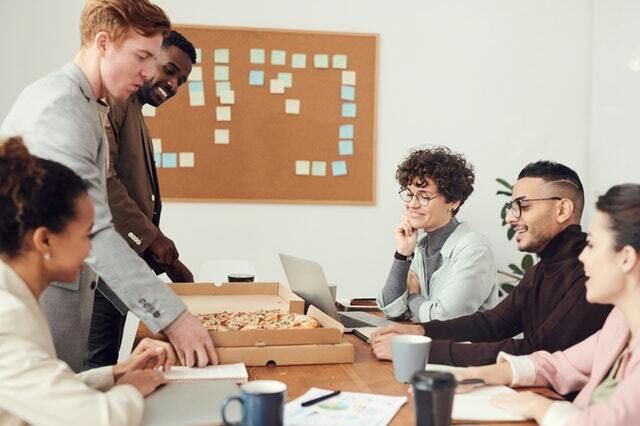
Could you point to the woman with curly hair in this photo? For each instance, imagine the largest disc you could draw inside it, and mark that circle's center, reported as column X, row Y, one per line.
column 442, row 269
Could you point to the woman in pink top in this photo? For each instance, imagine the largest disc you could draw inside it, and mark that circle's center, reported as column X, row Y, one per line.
column 605, row 367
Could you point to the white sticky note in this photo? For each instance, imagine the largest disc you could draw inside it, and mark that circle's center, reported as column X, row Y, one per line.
column 148, row 110
column 221, row 56
column 256, row 56
column 222, row 86
column 223, row 113
column 319, row 168
column 303, row 167
column 349, row 78
column 276, row 86
column 286, row 78
column 221, row 136
column 187, row 159
column 298, row 60
column 221, row 72
column 321, row 61
column 228, row 97
column 278, row 57
column 292, row 106
column 340, row 62
column 198, row 55
column 195, row 74
column 157, row 144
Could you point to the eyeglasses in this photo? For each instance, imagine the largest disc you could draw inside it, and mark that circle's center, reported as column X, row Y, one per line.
column 423, row 199
column 515, row 206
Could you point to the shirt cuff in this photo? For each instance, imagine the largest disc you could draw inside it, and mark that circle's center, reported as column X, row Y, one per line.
column 415, row 301
column 559, row 414
column 523, row 370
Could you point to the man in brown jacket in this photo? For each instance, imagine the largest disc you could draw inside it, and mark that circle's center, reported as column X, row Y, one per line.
column 134, row 193
column 548, row 305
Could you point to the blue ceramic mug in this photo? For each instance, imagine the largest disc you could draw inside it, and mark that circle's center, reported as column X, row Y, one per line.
column 262, row 403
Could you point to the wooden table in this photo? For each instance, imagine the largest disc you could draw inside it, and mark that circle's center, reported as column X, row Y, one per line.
column 366, row 374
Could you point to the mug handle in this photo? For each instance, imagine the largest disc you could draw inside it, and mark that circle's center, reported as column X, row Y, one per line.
column 223, row 409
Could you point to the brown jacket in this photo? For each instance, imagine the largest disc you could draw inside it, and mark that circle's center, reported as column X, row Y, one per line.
column 549, row 307
column 132, row 182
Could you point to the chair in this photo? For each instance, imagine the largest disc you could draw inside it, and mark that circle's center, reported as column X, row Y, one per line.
column 216, row 270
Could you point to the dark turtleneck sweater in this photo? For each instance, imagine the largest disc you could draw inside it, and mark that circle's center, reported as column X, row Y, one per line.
column 548, row 306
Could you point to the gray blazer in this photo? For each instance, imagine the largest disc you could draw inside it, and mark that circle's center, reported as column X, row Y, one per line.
column 59, row 119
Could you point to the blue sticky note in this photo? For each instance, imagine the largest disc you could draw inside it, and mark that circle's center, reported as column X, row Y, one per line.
column 349, row 110
column 346, row 131
column 256, row 78
column 348, row 93
column 157, row 158
column 196, row 86
column 339, row 168
column 345, row 147
column 169, row 160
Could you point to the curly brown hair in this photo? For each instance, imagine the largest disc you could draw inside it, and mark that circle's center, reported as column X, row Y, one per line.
column 450, row 171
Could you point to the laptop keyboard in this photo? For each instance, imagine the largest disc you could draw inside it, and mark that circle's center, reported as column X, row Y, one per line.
column 349, row 322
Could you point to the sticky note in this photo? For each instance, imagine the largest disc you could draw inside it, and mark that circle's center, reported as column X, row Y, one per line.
column 302, row 167
column 292, row 106
column 148, row 110
column 348, row 93
column 223, row 113
column 345, row 147
column 349, row 78
column 321, row 61
column 339, row 168
column 319, row 168
column 187, row 159
column 298, row 60
column 196, row 93
column 221, row 56
column 221, row 136
column 256, row 56
column 286, row 78
column 195, row 74
column 222, row 86
column 157, row 158
column 221, row 72
column 228, row 97
column 349, row 110
column 278, row 57
column 169, row 160
column 256, row 78
column 276, row 86
column 346, row 131
column 340, row 62
column 198, row 55
column 157, row 144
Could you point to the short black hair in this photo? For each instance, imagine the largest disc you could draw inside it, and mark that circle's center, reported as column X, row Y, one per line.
column 178, row 40
column 557, row 174
column 34, row 192
column 622, row 204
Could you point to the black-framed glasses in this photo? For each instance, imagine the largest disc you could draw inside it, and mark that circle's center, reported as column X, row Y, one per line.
column 423, row 199
column 515, row 206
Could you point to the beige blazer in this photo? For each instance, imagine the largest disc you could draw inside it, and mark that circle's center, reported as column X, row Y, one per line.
column 39, row 389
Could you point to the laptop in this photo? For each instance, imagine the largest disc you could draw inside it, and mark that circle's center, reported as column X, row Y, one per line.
column 306, row 279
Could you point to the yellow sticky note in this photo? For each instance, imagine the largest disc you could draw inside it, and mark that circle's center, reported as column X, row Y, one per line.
column 276, row 86
column 228, row 97
column 148, row 110
column 349, row 78
column 221, row 136
column 187, row 159
column 157, row 144
column 198, row 55
column 223, row 113
column 302, row 167
column 195, row 74
column 286, row 78
column 292, row 106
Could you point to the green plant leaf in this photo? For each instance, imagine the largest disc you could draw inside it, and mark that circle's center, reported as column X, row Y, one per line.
column 510, row 233
column 504, row 222
column 508, row 194
column 515, row 269
column 504, row 183
column 503, row 212
column 507, row 287
column 527, row 262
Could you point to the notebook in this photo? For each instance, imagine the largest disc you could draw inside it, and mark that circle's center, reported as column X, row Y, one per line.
column 235, row 372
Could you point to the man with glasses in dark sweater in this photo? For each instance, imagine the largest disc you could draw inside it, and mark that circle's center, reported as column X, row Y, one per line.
column 548, row 305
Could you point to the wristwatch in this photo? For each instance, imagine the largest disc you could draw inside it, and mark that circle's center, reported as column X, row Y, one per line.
column 403, row 257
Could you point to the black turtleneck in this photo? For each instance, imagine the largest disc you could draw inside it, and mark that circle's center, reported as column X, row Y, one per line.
column 548, row 306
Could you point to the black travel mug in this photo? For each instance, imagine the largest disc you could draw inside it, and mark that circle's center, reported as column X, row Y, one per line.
column 433, row 397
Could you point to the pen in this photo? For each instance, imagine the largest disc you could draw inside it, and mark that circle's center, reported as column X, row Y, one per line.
column 319, row 399
column 471, row 382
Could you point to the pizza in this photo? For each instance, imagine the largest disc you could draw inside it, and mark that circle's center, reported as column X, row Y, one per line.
column 266, row 319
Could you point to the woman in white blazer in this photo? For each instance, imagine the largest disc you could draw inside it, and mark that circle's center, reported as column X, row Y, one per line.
column 46, row 216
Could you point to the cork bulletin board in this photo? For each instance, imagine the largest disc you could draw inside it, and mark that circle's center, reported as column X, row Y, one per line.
column 271, row 116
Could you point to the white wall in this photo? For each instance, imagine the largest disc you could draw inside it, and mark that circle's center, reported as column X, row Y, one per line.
column 505, row 82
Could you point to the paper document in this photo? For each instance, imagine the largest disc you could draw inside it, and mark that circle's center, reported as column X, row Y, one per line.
column 348, row 408
column 237, row 372
column 475, row 406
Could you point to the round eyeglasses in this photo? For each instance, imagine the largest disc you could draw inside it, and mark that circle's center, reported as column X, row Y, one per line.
column 422, row 198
